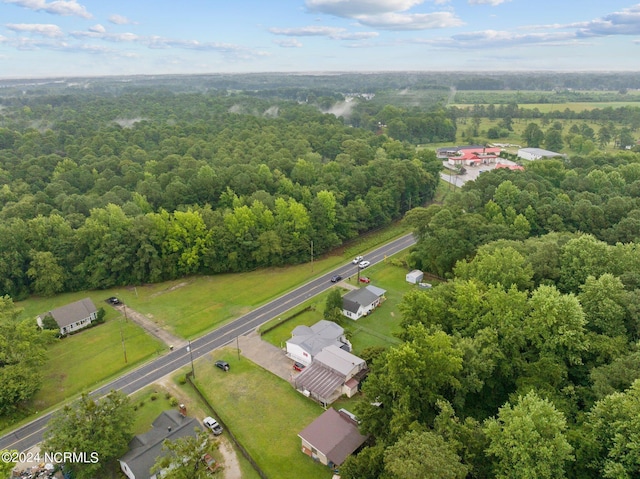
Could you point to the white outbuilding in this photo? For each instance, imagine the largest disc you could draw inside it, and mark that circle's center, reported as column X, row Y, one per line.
column 415, row 276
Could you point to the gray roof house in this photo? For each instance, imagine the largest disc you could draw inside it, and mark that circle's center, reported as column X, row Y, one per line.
column 332, row 373
column 331, row 437
column 72, row 317
column 307, row 341
column 360, row 302
column 146, row 448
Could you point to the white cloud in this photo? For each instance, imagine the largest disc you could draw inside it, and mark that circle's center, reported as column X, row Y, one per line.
column 57, row 7
column 353, row 8
column 386, row 14
column 121, row 20
column 319, row 31
column 501, row 39
column 493, row 3
column 102, row 34
column 416, row 21
column 626, row 22
column 44, row 29
column 288, row 43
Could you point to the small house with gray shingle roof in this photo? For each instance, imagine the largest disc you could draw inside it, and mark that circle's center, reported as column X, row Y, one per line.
column 360, row 302
column 72, row 317
column 146, row 448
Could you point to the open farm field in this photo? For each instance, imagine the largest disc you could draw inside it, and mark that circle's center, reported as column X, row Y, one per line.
column 534, row 97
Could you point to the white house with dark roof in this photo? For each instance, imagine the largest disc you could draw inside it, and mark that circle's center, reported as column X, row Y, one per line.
column 331, row 437
column 307, row 341
column 334, row 372
column 360, row 302
column 146, row 448
column 72, row 317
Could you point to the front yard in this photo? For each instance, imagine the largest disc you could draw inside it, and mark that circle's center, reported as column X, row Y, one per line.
column 377, row 329
column 264, row 413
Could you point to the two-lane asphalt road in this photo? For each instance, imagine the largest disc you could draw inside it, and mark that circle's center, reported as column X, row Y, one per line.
column 31, row 434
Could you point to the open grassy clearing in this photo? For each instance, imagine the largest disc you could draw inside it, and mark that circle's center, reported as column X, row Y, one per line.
column 192, row 306
column 264, row 412
column 527, row 97
column 376, row 329
column 188, row 307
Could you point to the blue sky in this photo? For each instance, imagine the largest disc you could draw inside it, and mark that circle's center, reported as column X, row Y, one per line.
column 60, row 38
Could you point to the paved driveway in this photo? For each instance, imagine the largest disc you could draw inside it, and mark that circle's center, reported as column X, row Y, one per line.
column 266, row 355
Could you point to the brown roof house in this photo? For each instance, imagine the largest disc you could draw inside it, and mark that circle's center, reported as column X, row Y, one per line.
column 332, row 437
column 72, row 317
column 332, row 373
column 146, row 448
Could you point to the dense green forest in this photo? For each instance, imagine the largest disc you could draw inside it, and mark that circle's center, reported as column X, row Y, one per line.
column 525, row 362
column 146, row 186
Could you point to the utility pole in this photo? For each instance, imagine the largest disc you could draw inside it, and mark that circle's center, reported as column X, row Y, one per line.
column 124, row 349
column 312, row 256
column 193, row 371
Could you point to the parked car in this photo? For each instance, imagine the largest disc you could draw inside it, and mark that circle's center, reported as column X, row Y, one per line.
column 364, row 264
column 212, row 424
column 336, row 278
column 113, row 300
column 298, row 366
column 222, row 365
column 357, row 259
column 364, row 279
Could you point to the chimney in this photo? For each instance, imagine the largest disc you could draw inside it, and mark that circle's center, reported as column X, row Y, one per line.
column 183, row 410
column 169, row 428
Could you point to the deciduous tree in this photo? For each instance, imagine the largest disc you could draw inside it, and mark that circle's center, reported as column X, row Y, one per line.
column 88, row 425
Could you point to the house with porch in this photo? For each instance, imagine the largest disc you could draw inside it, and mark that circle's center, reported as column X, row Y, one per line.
column 360, row 302
column 332, row 437
column 72, row 317
column 334, row 372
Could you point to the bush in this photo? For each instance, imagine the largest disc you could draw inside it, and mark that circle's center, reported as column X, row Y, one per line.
column 173, row 402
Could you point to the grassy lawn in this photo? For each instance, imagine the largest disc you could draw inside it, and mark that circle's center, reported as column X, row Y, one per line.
column 192, row 306
column 148, row 409
column 376, row 329
column 81, row 361
column 264, row 413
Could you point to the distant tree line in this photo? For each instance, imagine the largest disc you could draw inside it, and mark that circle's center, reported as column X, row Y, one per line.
column 154, row 186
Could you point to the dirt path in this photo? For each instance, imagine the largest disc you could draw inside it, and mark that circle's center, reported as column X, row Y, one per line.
column 150, row 326
column 231, row 466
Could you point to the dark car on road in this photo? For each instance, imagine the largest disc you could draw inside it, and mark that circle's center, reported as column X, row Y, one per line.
column 222, row 365
column 336, row 278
